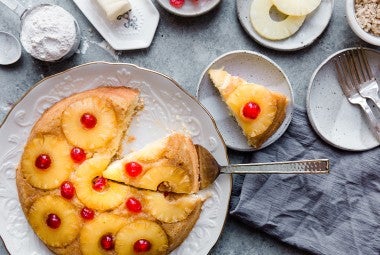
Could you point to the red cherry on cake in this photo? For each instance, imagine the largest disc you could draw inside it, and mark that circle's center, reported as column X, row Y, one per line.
column 142, row 245
column 78, row 155
column 53, row 221
column 133, row 205
column 43, row 161
column 87, row 213
column 107, row 242
column 177, row 3
column 88, row 120
column 99, row 183
column 133, row 169
column 67, row 189
column 251, row 110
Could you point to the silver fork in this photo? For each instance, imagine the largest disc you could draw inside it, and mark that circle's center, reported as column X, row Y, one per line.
column 346, row 83
column 362, row 76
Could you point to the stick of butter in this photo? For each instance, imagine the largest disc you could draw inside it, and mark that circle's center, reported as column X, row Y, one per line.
column 114, row 8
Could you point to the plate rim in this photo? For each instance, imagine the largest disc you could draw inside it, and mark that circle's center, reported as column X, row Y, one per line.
column 255, row 53
column 308, row 99
column 277, row 48
column 192, row 14
column 38, row 83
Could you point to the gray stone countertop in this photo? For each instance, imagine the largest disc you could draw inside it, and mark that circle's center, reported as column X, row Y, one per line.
column 181, row 49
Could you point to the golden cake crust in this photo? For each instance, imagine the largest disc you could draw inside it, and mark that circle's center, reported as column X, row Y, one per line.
column 125, row 103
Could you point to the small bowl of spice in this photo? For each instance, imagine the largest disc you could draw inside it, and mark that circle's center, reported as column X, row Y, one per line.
column 364, row 19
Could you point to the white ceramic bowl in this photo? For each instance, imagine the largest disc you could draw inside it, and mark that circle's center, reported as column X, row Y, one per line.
column 350, row 14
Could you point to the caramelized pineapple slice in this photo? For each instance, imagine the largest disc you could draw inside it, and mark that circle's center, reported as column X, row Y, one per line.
column 269, row 28
column 141, row 237
column 104, row 226
column 89, row 123
column 46, row 162
column 170, row 208
column 296, row 7
column 55, row 220
column 95, row 191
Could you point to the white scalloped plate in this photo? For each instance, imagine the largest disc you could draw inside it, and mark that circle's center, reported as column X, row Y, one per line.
column 133, row 30
column 253, row 67
column 167, row 108
column 313, row 26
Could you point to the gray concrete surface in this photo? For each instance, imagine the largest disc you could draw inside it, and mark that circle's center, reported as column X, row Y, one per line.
column 182, row 48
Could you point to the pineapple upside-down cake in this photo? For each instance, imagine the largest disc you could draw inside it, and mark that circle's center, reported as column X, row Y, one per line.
column 80, row 198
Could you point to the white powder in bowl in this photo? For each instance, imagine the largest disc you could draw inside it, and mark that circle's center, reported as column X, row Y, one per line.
column 48, row 32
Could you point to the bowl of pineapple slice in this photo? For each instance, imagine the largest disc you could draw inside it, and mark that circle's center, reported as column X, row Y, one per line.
column 284, row 25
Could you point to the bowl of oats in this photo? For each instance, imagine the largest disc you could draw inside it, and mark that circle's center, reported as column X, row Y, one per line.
column 364, row 19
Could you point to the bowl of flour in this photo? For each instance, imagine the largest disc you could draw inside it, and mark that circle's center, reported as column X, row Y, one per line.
column 49, row 33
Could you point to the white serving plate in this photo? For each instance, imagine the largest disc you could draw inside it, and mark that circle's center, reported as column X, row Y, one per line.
column 190, row 9
column 335, row 120
column 253, row 67
column 167, row 108
column 313, row 26
column 134, row 30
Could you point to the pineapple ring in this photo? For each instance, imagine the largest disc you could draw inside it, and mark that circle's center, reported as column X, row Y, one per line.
column 89, row 138
column 267, row 27
column 141, row 229
column 104, row 200
column 92, row 232
column 296, row 7
column 169, row 211
column 61, row 163
column 70, row 221
column 261, row 96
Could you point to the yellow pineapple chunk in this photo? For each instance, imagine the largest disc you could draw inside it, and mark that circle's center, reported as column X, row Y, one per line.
column 93, row 231
column 55, row 171
column 110, row 197
column 170, row 209
column 94, row 136
column 70, row 222
column 148, row 232
column 296, row 7
column 269, row 28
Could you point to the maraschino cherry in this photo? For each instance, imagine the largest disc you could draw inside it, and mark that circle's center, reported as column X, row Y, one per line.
column 133, row 205
column 107, row 242
column 251, row 110
column 177, row 3
column 133, row 169
column 99, row 183
column 43, row 161
column 87, row 213
column 78, row 155
column 88, row 120
column 53, row 221
column 142, row 245
column 67, row 189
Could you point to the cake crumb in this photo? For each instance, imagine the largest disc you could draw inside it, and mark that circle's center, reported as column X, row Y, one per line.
column 367, row 14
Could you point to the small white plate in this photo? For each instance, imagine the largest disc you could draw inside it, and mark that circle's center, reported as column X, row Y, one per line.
column 190, row 9
column 253, row 67
column 167, row 108
column 133, row 30
column 336, row 121
column 313, row 26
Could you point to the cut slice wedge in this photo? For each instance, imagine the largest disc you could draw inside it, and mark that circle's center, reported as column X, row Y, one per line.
column 269, row 28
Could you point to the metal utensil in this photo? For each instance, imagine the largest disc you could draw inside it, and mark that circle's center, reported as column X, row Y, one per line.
column 347, row 84
column 210, row 169
column 362, row 76
column 10, row 49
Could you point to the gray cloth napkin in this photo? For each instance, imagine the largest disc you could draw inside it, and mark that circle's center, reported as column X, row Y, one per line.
column 338, row 213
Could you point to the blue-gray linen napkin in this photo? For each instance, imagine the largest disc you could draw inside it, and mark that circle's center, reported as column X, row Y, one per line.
column 337, row 214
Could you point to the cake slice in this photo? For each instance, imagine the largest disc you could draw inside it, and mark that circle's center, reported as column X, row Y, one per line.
column 168, row 165
column 258, row 111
